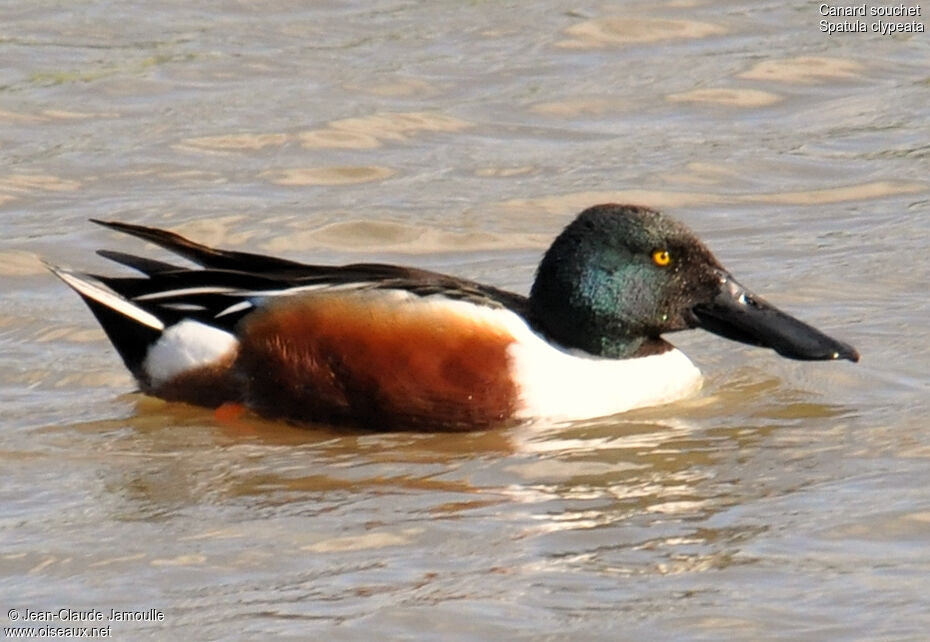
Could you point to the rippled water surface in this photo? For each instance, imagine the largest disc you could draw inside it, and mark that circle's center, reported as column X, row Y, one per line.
column 786, row 501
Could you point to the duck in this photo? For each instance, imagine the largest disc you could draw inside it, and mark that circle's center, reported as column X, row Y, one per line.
column 385, row 347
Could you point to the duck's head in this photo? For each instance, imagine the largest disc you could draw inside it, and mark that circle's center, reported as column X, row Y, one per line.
column 619, row 276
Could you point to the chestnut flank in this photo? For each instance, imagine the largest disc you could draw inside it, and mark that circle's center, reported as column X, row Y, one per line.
column 370, row 360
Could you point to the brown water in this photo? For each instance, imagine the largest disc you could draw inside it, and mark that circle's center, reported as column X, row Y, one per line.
column 787, row 501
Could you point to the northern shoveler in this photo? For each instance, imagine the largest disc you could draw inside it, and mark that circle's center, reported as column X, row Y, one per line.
column 388, row 347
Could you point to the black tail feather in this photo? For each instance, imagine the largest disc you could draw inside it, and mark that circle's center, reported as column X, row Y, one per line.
column 130, row 338
column 201, row 254
column 131, row 329
column 142, row 264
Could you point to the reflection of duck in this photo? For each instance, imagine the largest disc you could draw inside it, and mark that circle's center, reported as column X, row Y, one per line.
column 388, row 347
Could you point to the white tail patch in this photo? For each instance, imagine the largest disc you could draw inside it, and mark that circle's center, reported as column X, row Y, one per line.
column 185, row 346
column 94, row 289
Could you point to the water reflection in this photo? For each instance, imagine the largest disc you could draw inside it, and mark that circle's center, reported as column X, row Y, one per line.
column 638, row 494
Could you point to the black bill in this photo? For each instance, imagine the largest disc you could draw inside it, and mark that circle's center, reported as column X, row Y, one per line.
column 736, row 313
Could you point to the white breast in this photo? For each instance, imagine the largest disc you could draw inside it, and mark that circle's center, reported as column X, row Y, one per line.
column 568, row 384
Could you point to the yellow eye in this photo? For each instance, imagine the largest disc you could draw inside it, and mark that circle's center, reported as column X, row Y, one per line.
column 661, row 258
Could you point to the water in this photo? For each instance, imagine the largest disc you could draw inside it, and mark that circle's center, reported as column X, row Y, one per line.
column 786, row 501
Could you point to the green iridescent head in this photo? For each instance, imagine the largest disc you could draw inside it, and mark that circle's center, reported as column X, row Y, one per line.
column 619, row 276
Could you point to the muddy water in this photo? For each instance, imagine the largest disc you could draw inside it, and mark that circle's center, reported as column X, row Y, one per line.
column 786, row 501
